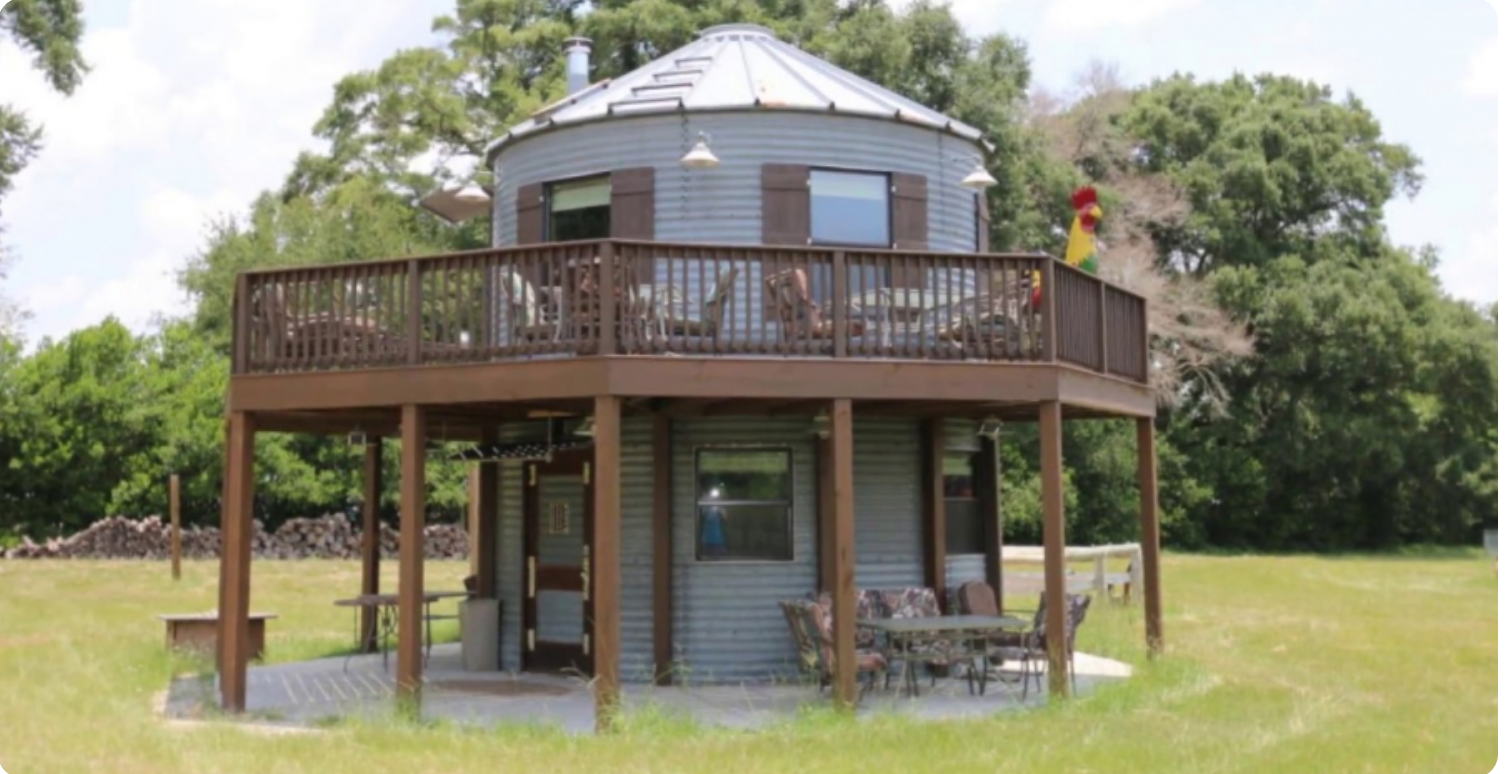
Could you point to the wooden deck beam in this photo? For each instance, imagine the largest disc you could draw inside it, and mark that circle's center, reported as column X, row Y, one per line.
column 235, row 562
column 411, row 561
column 1151, row 534
column 606, row 574
column 1054, row 541
column 371, row 538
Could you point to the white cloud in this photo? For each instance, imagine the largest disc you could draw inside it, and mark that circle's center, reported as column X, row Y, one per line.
column 1086, row 14
column 1482, row 78
column 1474, row 276
column 190, row 109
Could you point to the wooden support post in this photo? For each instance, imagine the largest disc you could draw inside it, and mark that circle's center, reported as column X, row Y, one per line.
column 605, row 553
column 1151, row 537
column 934, row 509
column 235, row 563
column 221, row 603
column 411, row 507
column 663, row 552
column 827, row 569
column 484, row 541
column 987, row 479
column 371, row 539
column 841, row 556
column 175, row 538
column 473, row 501
column 1054, row 539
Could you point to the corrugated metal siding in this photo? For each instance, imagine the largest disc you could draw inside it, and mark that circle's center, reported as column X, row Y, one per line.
column 510, row 548
column 723, row 205
column 510, row 560
column 636, row 592
column 888, row 502
column 727, row 625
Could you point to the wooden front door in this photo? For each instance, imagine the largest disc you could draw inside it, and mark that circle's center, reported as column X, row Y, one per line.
column 557, row 564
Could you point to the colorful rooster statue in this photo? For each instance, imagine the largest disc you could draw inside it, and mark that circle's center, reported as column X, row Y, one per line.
column 1081, row 247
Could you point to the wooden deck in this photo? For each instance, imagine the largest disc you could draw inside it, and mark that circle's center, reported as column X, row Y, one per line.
column 651, row 298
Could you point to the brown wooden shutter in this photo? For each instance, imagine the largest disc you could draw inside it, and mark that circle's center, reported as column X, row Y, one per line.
column 787, row 204
column 908, row 225
column 531, row 214
column 633, row 203
column 982, row 223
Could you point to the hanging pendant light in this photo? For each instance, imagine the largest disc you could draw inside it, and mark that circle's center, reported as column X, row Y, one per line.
column 472, row 193
column 700, row 156
column 980, row 178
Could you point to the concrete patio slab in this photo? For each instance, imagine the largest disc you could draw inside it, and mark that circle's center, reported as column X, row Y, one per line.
column 314, row 692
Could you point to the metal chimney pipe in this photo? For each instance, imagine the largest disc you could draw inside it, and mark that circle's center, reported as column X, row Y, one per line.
column 578, row 53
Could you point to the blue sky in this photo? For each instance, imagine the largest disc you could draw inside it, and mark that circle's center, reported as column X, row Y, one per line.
column 194, row 106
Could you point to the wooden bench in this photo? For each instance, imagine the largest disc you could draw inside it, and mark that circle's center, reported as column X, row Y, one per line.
column 201, row 631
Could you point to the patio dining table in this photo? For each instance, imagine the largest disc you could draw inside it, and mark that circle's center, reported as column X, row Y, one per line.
column 962, row 636
column 384, row 621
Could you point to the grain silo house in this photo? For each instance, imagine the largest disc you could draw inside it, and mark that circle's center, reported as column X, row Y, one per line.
column 741, row 340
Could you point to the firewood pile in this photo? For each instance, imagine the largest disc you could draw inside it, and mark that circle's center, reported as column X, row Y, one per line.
column 329, row 537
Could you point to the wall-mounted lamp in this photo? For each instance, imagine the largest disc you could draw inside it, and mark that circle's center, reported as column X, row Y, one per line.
column 587, row 428
column 822, row 426
column 979, row 179
column 357, row 438
column 700, row 156
column 990, row 428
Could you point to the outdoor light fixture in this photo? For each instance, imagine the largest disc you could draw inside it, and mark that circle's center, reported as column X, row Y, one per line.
column 459, row 205
column 700, row 156
column 990, row 428
column 822, row 426
column 357, row 438
column 980, row 179
column 587, row 428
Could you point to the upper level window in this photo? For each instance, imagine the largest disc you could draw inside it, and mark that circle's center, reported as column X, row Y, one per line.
column 579, row 209
column 963, row 505
column 850, row 208
column 743, row 499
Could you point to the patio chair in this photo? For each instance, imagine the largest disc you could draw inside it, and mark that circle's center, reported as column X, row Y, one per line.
column 869, row 663
column 313, row 333
column 788, row 294
column 808, row 658
column 714, row 311
column 529, row 312
column 1032, row 653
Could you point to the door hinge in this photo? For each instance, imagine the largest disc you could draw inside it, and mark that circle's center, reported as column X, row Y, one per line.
column 531, row 577
column 586, row 473
column 586, row 643
column 531, row 640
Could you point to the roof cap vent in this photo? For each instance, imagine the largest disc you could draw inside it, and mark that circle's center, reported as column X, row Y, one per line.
column 730, row 29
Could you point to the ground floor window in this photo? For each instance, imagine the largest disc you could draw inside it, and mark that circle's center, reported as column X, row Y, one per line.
column 963, row 505
column 743, row 499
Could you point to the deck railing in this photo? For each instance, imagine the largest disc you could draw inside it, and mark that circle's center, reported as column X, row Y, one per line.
column 646, row 298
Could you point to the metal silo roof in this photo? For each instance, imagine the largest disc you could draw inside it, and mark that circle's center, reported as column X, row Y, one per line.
column 734, row 67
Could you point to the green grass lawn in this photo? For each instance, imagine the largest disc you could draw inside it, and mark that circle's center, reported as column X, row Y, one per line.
column 1302, row 664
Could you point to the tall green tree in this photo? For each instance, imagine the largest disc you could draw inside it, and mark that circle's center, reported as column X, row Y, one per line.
column 50, row 30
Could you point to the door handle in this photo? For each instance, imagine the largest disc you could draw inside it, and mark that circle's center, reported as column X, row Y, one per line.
column 531, row 577
column 586, row 573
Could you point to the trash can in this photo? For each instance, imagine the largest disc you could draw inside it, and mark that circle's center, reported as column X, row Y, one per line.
column 479, row 618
